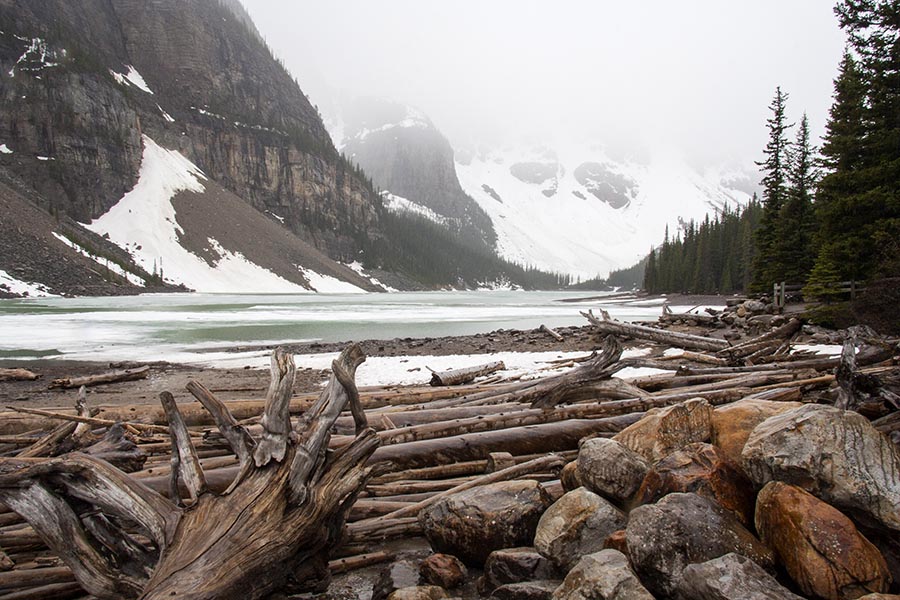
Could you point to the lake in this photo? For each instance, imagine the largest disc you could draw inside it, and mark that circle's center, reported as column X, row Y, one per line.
column 190, row 328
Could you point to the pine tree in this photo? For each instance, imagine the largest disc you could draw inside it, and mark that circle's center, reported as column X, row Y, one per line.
column 792, row 248
column 859, row 199
column 766, row 269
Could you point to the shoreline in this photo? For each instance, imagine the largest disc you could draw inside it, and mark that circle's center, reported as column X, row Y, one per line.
column 242, row 381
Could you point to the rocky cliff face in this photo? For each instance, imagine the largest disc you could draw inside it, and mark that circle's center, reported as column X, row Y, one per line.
column 81, row 82
column 405, row 154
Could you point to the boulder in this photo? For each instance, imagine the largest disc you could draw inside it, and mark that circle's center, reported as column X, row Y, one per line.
column 733, row 423
column 570, row 477
column 604, row 575
column 880, row 597
column 819, row 546
column 681, row 529
column 609, row 468
column 472, row 524
column 664, row 430
column 526, row 590
column 731, row 577
column 576, row 524
column 444, row 570
column 834, row 454
column 395, row 576
column 419, row 592
column 514, row 565
column 702, row 469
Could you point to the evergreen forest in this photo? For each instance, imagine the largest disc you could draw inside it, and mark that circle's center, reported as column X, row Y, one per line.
column 826, row 215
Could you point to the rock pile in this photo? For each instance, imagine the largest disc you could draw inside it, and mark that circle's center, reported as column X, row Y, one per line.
column 755, row 500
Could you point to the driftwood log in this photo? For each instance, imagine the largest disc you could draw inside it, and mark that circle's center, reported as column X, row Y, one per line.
column 465, row 375
column 110, row 377
column 17, row 375
column 279, row 517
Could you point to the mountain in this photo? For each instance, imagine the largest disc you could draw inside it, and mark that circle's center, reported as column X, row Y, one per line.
column 579, row 209
column 406, row 155
column 103, row 98
column 584, row 210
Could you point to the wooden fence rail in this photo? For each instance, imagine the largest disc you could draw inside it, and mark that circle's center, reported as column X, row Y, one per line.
column 780, row 290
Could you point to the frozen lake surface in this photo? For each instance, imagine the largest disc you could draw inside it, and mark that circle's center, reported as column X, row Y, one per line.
column 200, row 328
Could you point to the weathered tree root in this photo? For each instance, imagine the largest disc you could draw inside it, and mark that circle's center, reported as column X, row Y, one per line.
column 281, row 515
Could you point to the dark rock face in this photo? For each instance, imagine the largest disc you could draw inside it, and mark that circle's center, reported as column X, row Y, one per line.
column 514, row 565
column 235, row 112
column 474, row 523
column 534, row 172
column 731, row 577
column 681, row 529
column 702, row 469
column 820, row 548
column 404, row 153
column 606, row 185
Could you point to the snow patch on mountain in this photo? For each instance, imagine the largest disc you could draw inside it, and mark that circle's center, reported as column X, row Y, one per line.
column 398, row 204
column 132, row 77
column 325, row 284
column 357, row 268
column 143, row 223
column 581, row 212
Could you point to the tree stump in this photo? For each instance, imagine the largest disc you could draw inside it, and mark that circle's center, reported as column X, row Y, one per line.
column 281, row 515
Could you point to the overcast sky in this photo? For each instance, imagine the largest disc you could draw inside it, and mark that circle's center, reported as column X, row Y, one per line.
column 691, row 74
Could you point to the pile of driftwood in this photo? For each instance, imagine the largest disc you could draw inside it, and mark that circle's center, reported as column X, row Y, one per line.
column 203, row 499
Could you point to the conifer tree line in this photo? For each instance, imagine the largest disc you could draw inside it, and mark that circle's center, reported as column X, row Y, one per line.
column 713, row 256
column 826, row 215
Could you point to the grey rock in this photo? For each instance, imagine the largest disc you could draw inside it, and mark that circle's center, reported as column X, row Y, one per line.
column 395, row 576
column 514, row 565
column 834, row 454
column 419, row 592
column 472, row 524
column 576, row 524
column 681, row 529
column 731, row 577
column 604, row 575
column 526, row 590
column 608, row 468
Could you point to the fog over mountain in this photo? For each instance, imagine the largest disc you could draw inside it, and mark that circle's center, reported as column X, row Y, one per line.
column 696, row 76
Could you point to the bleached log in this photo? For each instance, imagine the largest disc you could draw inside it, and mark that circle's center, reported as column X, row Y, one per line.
column 551, row 332
column 607, row 325
column 17, row 375
column 465, row 375
column 110, row 377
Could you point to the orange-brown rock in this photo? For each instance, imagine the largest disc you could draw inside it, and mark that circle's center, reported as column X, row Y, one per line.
column 616, row 541
column 702, row 469
column 663, row 430
column 732, row 423
column 820, row 547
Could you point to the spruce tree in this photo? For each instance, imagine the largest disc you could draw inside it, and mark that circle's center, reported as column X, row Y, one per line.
column 792, row 248
column 775, row 166
column 860, row 197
